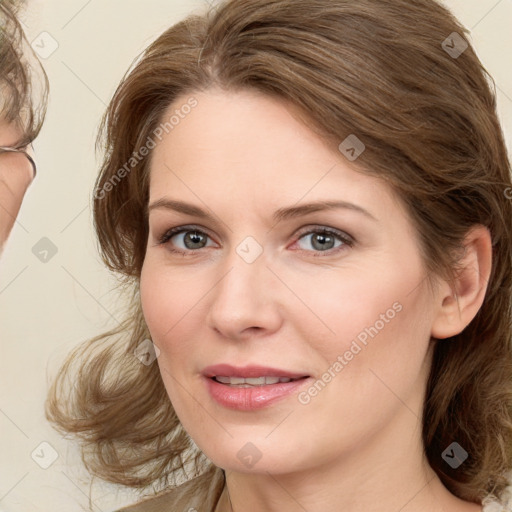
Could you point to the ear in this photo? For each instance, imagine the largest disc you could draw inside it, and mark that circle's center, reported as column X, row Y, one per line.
column 455, row 308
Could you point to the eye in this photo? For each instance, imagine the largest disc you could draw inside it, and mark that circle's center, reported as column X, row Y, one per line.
column 322, row 240
column 193, row 238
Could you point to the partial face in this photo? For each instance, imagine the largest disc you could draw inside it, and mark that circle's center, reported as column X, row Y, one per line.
column 15, row 168
column 334, row 297
column 16, row 174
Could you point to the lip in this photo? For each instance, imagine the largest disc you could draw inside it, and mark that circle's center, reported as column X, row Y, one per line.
column 226, row 370
column 250, row 398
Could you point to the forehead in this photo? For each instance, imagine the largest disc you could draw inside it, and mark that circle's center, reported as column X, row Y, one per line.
column 232, row 144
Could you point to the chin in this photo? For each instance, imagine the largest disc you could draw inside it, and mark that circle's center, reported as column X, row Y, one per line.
column 253, row 454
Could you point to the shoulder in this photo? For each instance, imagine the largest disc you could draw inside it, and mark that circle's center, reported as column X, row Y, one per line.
column 200, row 494
column 503, row 504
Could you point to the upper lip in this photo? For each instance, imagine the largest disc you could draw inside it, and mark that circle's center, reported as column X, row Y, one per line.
column 227, row 370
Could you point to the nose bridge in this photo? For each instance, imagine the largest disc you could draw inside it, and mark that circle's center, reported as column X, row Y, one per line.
column 244, row 297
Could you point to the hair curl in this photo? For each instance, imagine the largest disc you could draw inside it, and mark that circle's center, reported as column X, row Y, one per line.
column 20, row 70
column 429, row 123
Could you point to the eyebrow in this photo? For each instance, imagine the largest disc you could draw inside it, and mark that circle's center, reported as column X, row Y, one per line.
column 278, row 216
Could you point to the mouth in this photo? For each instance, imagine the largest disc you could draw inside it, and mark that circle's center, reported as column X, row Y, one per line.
column 251, row 388
column 250, row 382
column 252, row 375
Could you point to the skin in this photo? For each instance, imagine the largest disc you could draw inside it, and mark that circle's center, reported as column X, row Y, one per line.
column 357, row 444
column 16, row 174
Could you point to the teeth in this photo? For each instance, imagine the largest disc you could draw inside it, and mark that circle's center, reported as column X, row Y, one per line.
column 252, row 381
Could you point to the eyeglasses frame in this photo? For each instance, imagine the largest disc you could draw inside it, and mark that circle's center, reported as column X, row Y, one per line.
column 9, row 149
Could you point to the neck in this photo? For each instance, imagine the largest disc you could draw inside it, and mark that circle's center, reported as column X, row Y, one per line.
column 370, row 478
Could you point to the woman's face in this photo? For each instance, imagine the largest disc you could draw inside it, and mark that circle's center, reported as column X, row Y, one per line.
column 16, row 174
column 347, row 308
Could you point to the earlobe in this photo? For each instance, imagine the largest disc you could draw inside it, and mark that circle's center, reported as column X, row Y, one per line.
column 457, row 307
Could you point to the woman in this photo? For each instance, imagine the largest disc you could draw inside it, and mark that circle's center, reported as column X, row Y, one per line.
column 21, row 116
column 308, row 203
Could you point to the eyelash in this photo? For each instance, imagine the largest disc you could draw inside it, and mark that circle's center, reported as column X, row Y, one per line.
column 347, row 240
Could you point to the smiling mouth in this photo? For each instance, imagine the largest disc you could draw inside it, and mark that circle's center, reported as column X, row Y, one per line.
column 250, row 382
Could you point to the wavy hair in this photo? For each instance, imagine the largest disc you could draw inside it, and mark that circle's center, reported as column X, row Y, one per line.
column 394, row 74
column 20, row 71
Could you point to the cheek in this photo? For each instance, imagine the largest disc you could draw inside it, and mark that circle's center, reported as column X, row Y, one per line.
column 166, row 301
column 152, row 296
column 165, row 306
column 354, row 304
column 378, row 322
column 381, row 356
column 174, row 311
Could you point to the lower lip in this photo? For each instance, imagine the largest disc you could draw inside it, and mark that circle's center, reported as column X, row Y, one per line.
column 251, row 398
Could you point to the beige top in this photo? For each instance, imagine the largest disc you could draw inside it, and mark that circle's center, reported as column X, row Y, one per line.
column 211, row 484
column 182, row 498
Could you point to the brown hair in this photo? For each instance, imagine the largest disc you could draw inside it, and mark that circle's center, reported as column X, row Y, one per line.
column 20, row 72
column 381, row 71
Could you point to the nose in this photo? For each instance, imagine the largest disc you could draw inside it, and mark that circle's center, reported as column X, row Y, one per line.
column 246, row 302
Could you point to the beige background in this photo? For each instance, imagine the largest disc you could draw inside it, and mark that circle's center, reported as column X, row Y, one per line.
column 48, row 308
